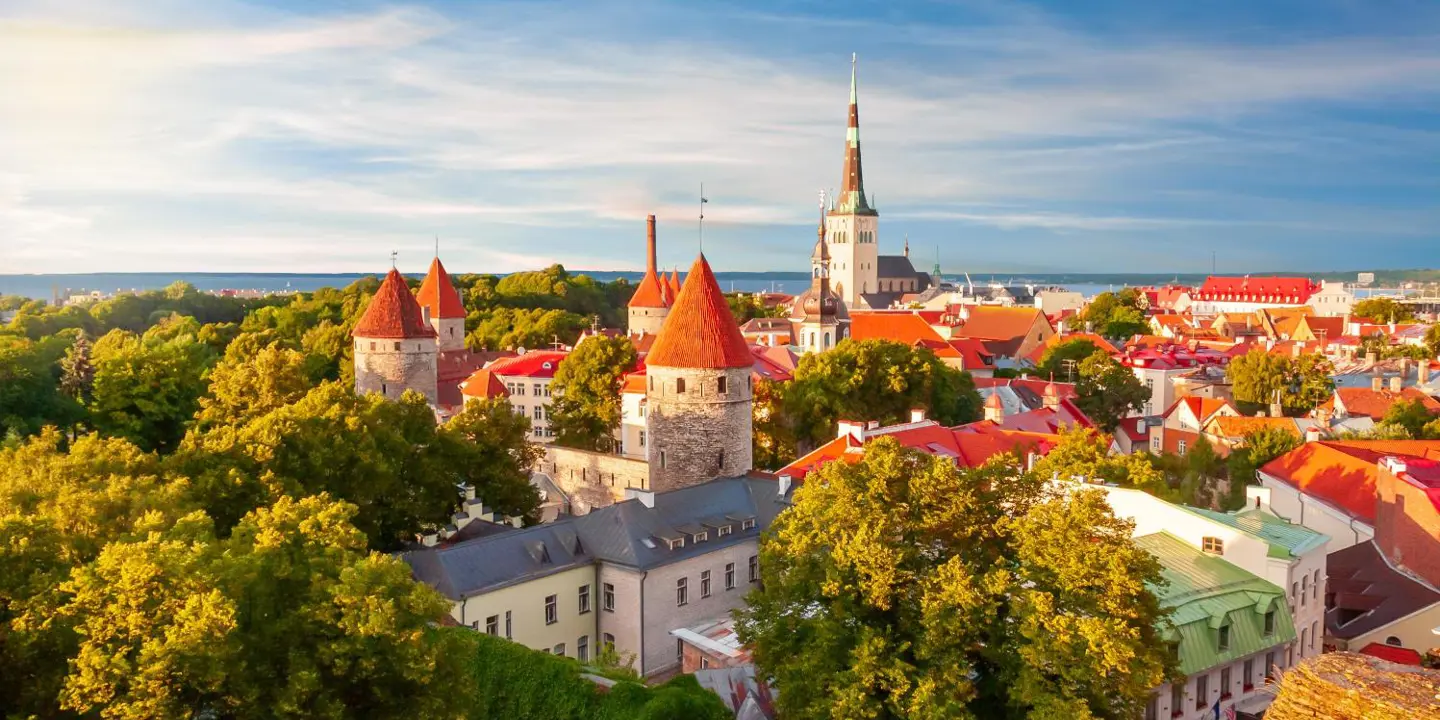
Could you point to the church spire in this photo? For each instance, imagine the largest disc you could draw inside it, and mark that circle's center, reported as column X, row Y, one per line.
column 852, row 184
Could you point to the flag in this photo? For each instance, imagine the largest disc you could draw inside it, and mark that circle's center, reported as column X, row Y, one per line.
column 1217, row 709
column 1230, row 713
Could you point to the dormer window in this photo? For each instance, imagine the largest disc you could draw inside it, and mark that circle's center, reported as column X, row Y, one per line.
column 1269, row 623
column 675, row 543
column 747, row 524
column 701, row 537
column 1225, row 636
column 1212, row 545
column 722, row 531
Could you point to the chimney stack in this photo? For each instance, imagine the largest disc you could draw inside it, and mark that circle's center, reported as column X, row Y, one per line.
column 917, row 415
column 1422, row 373
column 650, row 243
column 1397, row 383
column 1312, row 434
column 1377, row 383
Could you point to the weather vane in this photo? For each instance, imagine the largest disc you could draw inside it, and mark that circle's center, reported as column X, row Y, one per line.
column 393, row 254
column 703, row 200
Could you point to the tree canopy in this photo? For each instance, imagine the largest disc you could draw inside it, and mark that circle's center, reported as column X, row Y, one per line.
column 1108, row 391
column 1303, row 382
column 902, row 586
column 1062, row 359
column 1382, row 310
column 1115, row 315
column 585, row 404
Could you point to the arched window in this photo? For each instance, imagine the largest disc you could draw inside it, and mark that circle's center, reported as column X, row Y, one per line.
column 1392, row 640
column 825, row 341
column 679, row 385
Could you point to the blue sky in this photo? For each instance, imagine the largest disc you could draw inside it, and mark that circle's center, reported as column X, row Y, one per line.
column 1110, row 135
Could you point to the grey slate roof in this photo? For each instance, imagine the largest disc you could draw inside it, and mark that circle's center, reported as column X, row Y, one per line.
column 894, row 267
column 626, row 533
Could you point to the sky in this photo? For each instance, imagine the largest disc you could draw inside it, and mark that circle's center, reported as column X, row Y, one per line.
column 1080, row 136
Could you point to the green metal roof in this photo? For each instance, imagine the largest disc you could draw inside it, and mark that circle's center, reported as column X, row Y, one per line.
column 1206, row 592
column 1287, row 540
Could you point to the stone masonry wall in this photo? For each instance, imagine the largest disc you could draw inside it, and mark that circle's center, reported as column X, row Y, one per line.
column 451, row 332
column 699, row 434
column 645, row 319
column 592, row 479
column 380, row 368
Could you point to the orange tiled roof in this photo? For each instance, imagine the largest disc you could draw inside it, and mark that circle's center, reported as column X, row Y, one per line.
column 969, row 445
column 393, row 313
column 650, row 293
column 907, row 328
column 483, row 384
column 675, row 285
column 439, row 294
column 1000, row 323
column 700, row 331
column 1342, row 473
column 1201, row 408
column 634, row 383
column 1240, row 426
column 1328, row 328
column 1375, row 403
column 1038, row 353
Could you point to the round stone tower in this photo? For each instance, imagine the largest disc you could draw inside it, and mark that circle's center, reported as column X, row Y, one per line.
column 395, row 348
column 441, row 306
column 698, row 389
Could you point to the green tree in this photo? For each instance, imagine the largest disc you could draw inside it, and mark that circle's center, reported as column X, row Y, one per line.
column 772, row 440
column 1302, row 382
column 746, row 307
column 29, row 392
column 245, row 386
column 1204, row 470
column 289, row 617
column 1382, row 310
column 77, row 374
column 902, row 586
column 1432, row 341
column 585, row 407
column 1084, row 453
column 1108, row 391
column 874, row 380
column 1410, row 415
column 148, row 390
column 1259, row 447
column 1062, row 359
column 509, row 329
column 487, row 447
column 1115, row 315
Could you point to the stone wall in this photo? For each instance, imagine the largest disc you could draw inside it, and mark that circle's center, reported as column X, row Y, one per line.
column 647, row 319
column 592, row 479
column 382, row 368
column 698, row 434
column 451, row 332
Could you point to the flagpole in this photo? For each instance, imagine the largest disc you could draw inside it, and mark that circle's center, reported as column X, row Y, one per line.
column 703, row 200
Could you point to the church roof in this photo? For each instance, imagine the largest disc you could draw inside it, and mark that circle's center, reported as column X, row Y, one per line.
column 439, row 294
column 700, row 331
column 852, row 183
column 393, row 313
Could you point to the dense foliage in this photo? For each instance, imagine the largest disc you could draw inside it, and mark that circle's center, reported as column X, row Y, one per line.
column 1259, row 448
column 874, row 380
column 1301, row 382
column 1115, row 314
column 1108, row 391
column 1382, row 310
column 1061, row 361
column 901, row 586
column 585, row 409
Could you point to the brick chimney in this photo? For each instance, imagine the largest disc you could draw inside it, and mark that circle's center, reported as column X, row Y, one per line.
column 1397, row 383
column 650, row 263
column 1377, row 383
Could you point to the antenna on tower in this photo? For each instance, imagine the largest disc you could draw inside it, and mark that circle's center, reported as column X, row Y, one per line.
column 703, row 200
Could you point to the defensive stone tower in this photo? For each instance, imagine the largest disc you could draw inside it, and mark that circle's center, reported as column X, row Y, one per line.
column 395, row 349
column 651, row 302
column 699, row 390
column 441, row 305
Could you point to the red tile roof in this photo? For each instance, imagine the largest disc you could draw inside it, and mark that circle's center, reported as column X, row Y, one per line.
column 1045, row 420
column 651, row 293
column 675, row 285
column 975, row 354
column 1256, row 290
column 439, row 295
column 700, row 331
column 393, row 313
column 903, row 327
column 1342, row 473
column 1403, row 656
column 1066, row 391
column 969, row 445
column 1039, row 352
column 1375, row 403
column 991, row 322
column 634, row 383
column 483, row 384
column 533, row 364
column 1131, row 428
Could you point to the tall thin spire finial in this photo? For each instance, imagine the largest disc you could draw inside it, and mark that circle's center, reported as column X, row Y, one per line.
column 854, row 60
column 437, row 246
column 393, row 254
column 703, row 200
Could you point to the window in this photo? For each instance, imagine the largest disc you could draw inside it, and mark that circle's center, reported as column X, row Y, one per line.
column 704, row 663
column 642, row 434
column 1248, row 674
column 682, row 592
column 704, row 583
column 535, row 389
column 475, row 626
column 492, row 625
column 397, row 347
column 372, row 345
column 608, row 597
column 1315, row 586
column 1392, row 640
column 729, row 576
column 519, row 388
column 701, row 537
column 550, row 614
column 607, row 643
column 754, row 568
column 539, row 432
column 560, row 649
column 1224, row 682
column 1212, row 545
column 1180, row 447
column 1269, row 623
column 747, row 523
column 1225, row 636
column 720, row 385
column 507, row 625
column 1202, row 691
column 539, row 412
column 680, row 651
column 1177, row 698
column 722, row 531
column 662, row 458
column 1269, row 665
column 582, row 648
column 675, row 543
column 1304, row 587
column 652, row 382
column 383, row 389
column 679, row 385
column 1304, row 636
column 584, row 599
column 1155, row 443
column 1314, row 633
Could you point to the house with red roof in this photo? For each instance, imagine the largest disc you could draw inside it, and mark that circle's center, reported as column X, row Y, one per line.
column 1022, row 394
column 441, row 306
column 1248, row 294
column 1374, row 401
column 1158, row 366
column 968, row 445
column 910, row 328
column 526, row 379
column 1010, row 332
column 1182, row 423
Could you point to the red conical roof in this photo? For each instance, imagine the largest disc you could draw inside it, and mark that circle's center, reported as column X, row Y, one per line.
column 393, row 313
column 700, row 331
column 439, row 294
column 674, row 282
column 652, row 291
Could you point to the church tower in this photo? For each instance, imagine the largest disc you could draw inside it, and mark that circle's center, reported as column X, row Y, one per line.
column 650, row 304
column 852, row 226
column 395, row 349
column 821, row 320
column 441, row 306
column 698, row 389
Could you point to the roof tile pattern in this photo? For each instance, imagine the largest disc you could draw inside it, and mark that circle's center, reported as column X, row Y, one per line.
column 534, row 364
column 1343, row 474
column 1256, row 289
column 484, row 384
column 439, row 295
column 393, row 313
column 700, row 331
